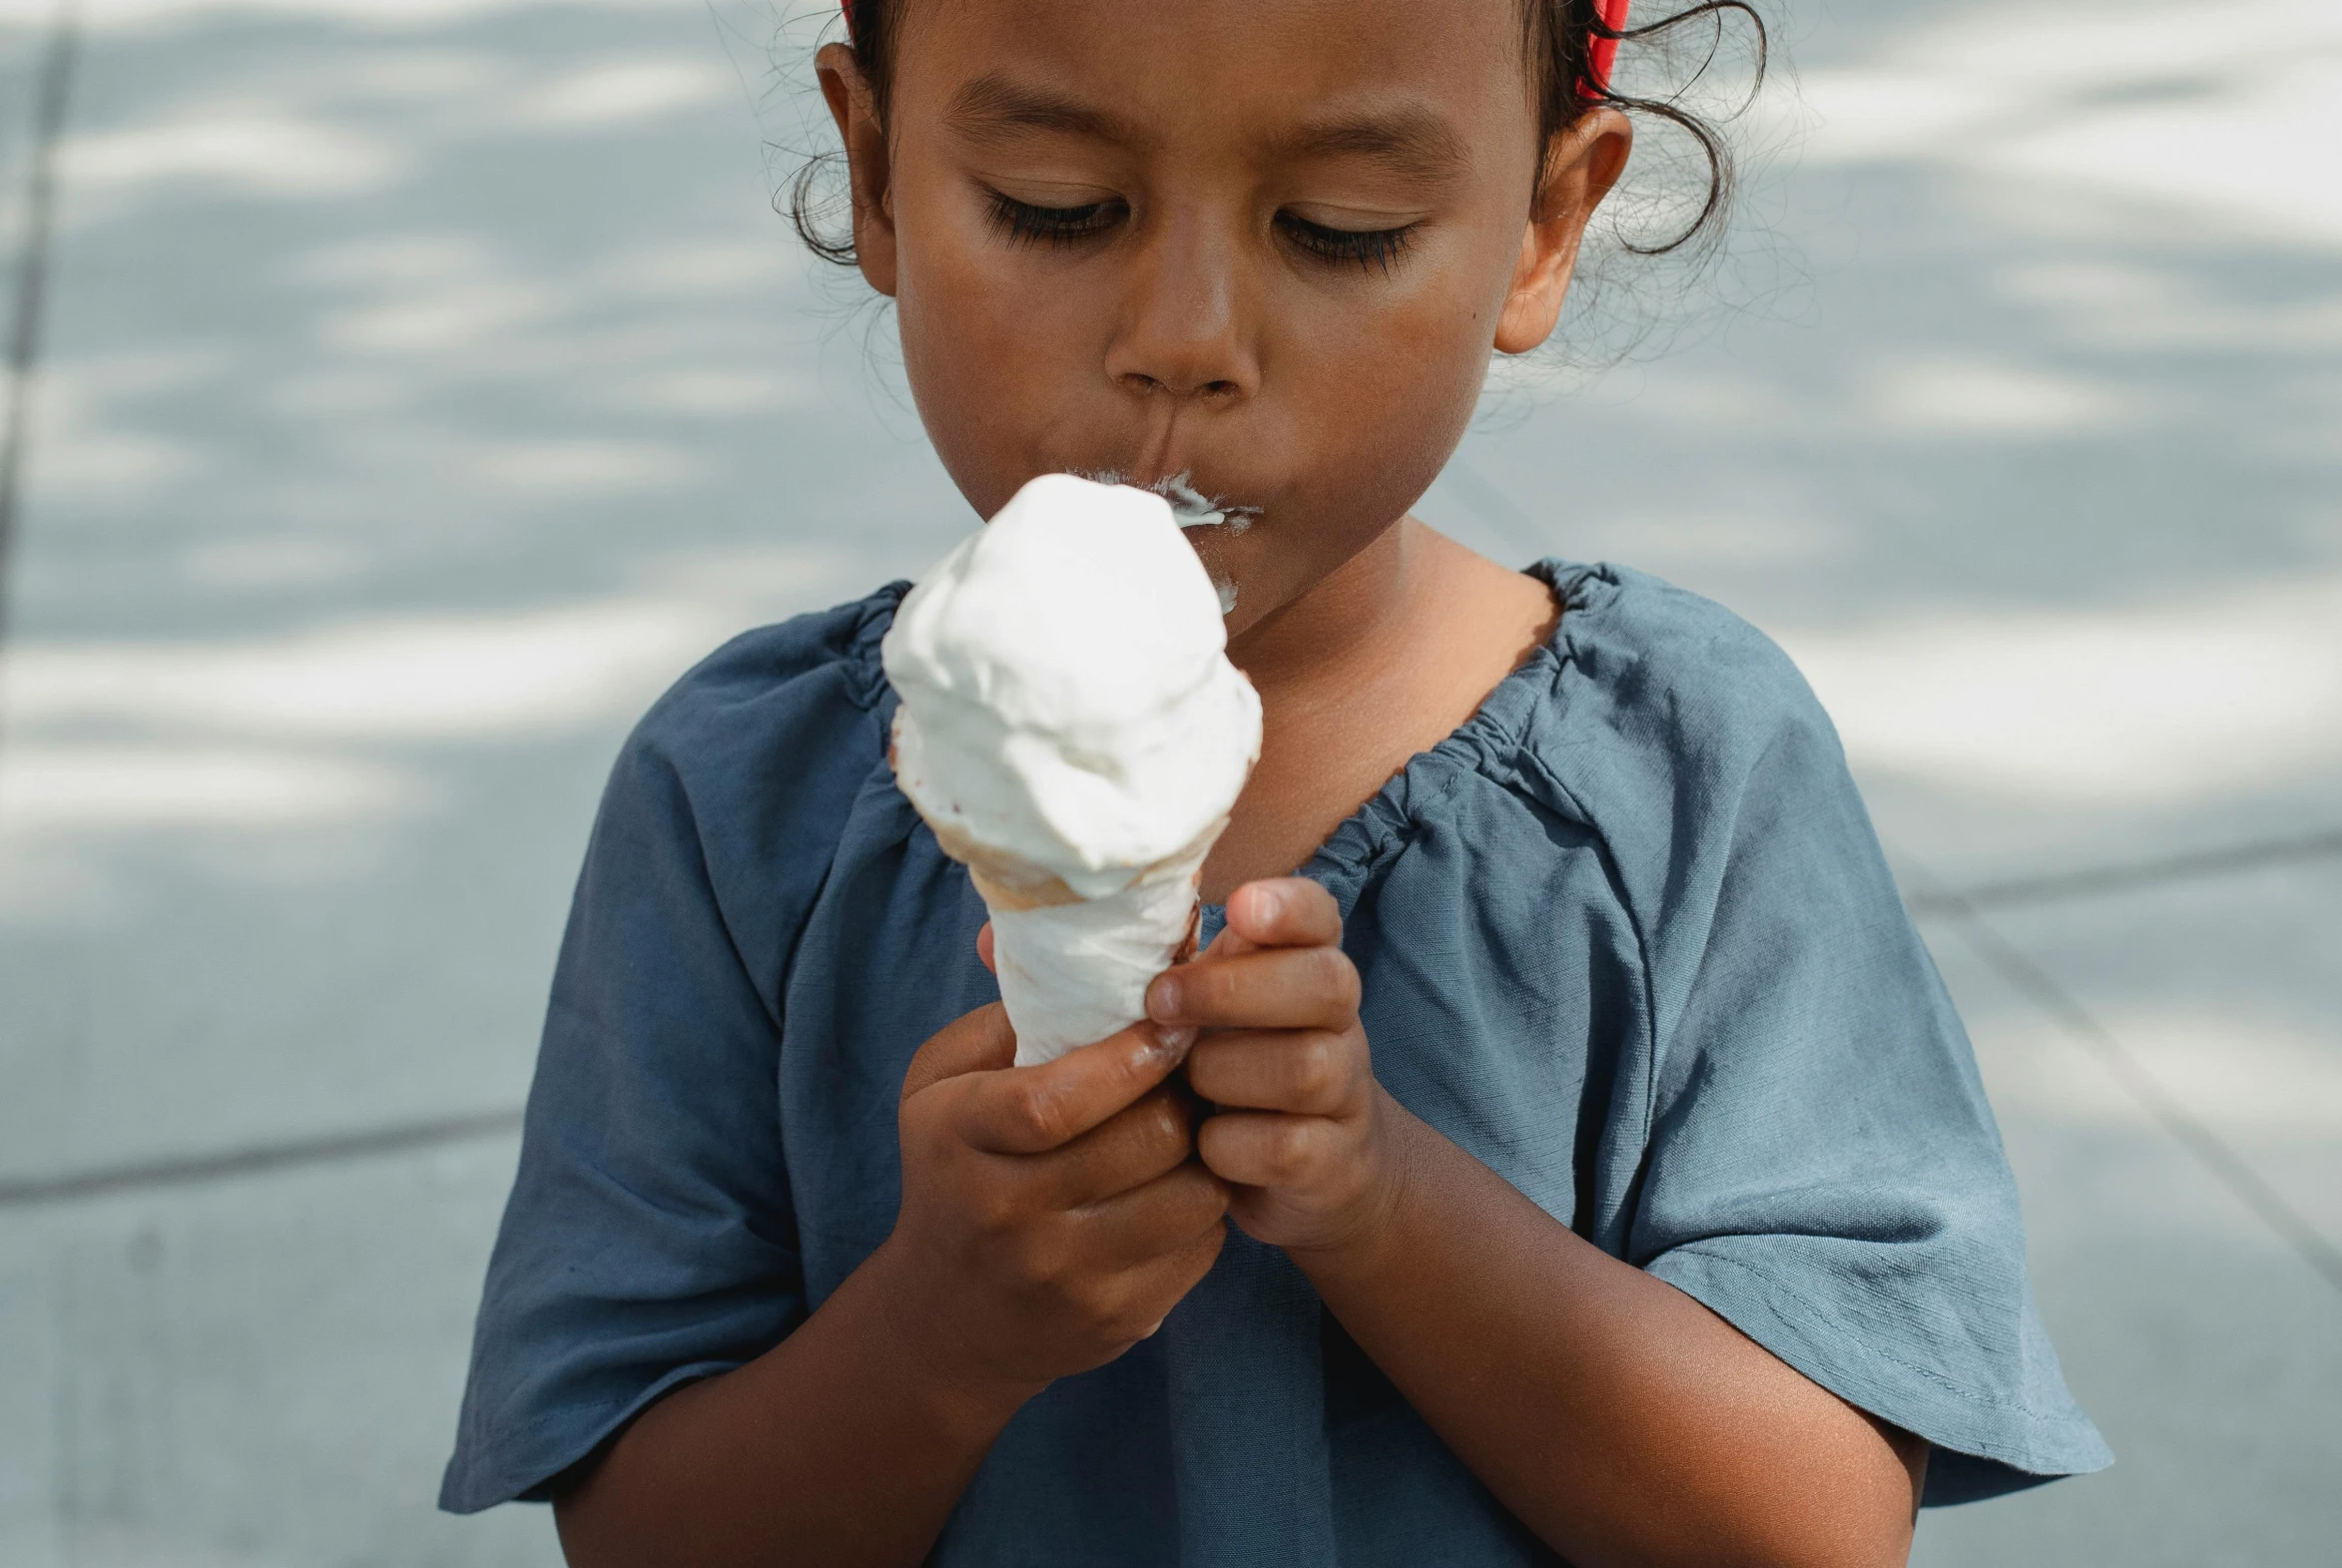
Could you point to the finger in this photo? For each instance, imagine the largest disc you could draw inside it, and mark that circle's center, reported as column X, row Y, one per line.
column 984, row 947
column 1166, row 1216
column 971, row 1043
column 1284, row 911
column 1226, row 944
column 1276, row 988
column 1152, row 1135
column 1310, row 1072
column 1266, row 1149
column 1166, row 1281
column 1027, row 1110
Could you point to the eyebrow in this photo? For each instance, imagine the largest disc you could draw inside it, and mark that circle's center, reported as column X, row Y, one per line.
column 992, row 107
column 1411, row 142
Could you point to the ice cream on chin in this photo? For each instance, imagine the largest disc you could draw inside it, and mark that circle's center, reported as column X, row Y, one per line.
column 1071, row 728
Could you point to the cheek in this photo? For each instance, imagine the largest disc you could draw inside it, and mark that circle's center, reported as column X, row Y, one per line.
column 1383, row 392
column 1392, row 386
column 986, row 355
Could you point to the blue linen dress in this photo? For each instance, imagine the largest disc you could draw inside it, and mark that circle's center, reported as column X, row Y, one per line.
column 1626, row 937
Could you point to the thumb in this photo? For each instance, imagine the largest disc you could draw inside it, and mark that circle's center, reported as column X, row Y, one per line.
column 975, row 1042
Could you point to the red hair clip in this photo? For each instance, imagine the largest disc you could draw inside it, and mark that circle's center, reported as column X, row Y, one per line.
column 1601, row 51
column 1598, row 54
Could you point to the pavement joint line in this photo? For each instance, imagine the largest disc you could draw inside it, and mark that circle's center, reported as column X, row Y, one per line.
column 257, row 1160
column 32, row 273
column 2230, row 1168
column 2115, row 878
column 1965, row 907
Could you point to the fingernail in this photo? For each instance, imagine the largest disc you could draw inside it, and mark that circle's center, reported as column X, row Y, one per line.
column 1174, row 1039
column 1163, row 999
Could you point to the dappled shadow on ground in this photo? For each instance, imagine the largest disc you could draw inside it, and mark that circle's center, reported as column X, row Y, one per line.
column 428, row 384
column 2041, row 473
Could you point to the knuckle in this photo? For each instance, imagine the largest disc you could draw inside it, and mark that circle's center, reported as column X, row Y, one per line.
column 1287, row 1152
column 1130, row 1324
column 1335, row 976
column 1317, row 1069
column 1044, row 1263
column 1106, row 1312
column 1039, row 1113
column 1000, row 1214
column 1122, row 1308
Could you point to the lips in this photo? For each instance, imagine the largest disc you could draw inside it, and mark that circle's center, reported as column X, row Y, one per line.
column 1193, row 505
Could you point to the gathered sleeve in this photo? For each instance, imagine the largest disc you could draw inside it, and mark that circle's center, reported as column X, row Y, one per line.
column 650, row 1238
column 1822, row 1167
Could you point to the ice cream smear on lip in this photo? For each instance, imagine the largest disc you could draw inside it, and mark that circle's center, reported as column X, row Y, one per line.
column 1190, row 506
column 1071, row 728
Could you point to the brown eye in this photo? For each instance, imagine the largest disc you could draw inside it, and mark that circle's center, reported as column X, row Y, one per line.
column 1367, row 249
column 1021, row 222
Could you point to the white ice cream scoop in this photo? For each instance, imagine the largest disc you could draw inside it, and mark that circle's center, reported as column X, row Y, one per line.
column 1071, row 728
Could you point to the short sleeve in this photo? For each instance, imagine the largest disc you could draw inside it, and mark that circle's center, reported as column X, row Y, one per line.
column 1823, row 1169
column 650, row 1238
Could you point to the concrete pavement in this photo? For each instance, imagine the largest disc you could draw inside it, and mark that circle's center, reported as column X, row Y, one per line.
column 427, row 383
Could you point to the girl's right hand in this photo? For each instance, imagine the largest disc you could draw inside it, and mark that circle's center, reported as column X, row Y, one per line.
column 1051, row 1216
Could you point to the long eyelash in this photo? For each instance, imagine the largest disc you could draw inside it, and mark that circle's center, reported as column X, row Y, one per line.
column 1369, row 248
column 1021, row 222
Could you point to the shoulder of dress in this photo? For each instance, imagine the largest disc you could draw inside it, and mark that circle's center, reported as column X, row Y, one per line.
column 1661, row 680
column 749, row 768
column 769, row 685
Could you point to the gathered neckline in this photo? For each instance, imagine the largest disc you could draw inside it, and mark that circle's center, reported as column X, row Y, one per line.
column 1485, row 742
column 1482, row 744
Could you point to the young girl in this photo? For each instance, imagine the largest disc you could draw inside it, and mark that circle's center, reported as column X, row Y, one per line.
column 1578, row 1159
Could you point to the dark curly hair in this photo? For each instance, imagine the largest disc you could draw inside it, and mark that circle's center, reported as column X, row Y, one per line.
column 1558, row 45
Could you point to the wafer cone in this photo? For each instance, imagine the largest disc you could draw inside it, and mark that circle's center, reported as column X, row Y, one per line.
column 1074, row 970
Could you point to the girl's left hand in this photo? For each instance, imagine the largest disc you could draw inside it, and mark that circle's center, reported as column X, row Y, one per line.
column 1301, row 1129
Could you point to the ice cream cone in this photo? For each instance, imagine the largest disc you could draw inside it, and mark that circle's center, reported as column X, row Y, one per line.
column 1073, row 973
column 1074, row 970
column 1020, row 888
column 1072, row 731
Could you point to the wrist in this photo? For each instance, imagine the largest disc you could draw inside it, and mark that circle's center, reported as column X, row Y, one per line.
column 912, row 1321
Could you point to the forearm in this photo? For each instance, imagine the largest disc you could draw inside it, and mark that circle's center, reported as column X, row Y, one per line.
column 844, row 1445
column 1619, row 1418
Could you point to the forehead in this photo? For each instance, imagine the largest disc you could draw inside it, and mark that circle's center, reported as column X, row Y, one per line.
column 1162, row 71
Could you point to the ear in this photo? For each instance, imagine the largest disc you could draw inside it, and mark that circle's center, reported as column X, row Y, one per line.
column 1582, row 161
column 847, row 89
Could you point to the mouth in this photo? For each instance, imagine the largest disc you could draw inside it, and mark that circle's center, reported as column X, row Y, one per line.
column 1189, row 506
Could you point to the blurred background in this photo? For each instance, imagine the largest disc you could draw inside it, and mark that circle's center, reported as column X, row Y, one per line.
column 406, row 391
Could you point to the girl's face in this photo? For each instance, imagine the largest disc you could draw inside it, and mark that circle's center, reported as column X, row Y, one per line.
column 1267, row 244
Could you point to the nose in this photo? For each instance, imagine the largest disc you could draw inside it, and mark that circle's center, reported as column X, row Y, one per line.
column 1184, row 329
